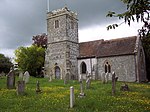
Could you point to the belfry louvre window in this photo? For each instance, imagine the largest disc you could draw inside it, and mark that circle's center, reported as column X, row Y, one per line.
column 56, row 24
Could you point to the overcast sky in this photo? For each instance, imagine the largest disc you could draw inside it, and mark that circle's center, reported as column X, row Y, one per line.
column 21, row 19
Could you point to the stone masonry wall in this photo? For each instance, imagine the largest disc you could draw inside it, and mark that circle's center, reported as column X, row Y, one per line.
column 123, row 66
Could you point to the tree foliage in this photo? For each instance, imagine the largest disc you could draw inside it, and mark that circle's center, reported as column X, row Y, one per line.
column 30, row 59
column 40, row 40
column 5, row 64
column 146, row 46
column 137, row 10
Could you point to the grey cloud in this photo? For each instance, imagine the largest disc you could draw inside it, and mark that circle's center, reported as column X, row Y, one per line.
column 21, row 19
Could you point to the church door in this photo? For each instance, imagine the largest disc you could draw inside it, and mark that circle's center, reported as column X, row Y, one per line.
column 57, row 72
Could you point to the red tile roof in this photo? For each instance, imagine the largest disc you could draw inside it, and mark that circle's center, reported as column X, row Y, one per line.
column 101, row 48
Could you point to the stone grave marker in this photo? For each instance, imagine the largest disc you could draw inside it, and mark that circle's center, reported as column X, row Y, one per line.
column 124, row 87
column 66, row 78
column 21, row 87
column 11, row 80
column 103, row 78
column 38, row 90
column 72, row 97
column 88, row 81
column 26, row 77
column 50, row 76
column 106, row 77
column 81, row 89
column 2, row 74
column 114, row 80
column 20, row 76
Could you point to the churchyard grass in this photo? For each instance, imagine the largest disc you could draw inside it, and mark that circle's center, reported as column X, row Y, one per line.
column 55, row 97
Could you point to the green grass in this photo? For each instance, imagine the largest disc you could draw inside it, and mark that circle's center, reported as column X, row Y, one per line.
column 55, row 97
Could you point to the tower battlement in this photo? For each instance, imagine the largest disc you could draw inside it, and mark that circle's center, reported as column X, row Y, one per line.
column 60, row 12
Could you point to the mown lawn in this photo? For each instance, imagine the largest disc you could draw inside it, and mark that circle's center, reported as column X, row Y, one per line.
column 55, row 97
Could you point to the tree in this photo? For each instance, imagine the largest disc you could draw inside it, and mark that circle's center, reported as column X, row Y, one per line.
column 5, row 64
column 137, row 10
column 146, row 46
column 30, row 59
column 40, row 40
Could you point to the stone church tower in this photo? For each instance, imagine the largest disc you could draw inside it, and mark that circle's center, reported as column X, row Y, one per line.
column 63, row 46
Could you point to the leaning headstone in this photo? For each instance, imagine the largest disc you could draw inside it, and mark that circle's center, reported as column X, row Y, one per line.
column 88, row 81
column 11, row 80
column 103, row 78
column 20, row 87
column 72, row 97
column 114, row 80
column 38, row 90
column 26, row 77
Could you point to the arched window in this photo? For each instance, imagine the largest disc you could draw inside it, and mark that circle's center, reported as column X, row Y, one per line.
column 107, row 68
column 83, row 68
column 56, row 24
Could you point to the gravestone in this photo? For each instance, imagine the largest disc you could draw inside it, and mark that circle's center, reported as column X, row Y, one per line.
column 66, row 78
column 21, row 87
column 124, row 87
column 20, row 76
column 26, row 77
column 38, row 90
column 11, row 80
column 103, row 78
column 114, row 80
column 50, row 76
column 88, row 81
column 2, row 74
column 72, row 97
column 42, row 73
column 106, row 77
column 81, row 89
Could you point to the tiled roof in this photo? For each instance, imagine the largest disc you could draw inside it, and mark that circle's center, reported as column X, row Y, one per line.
column 101, row 48
column 89, row 49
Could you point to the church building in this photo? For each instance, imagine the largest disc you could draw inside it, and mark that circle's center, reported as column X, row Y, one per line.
column 67, row 59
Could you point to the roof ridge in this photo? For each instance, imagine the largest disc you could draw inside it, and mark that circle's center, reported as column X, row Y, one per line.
column 92, row 41
column 122, row 38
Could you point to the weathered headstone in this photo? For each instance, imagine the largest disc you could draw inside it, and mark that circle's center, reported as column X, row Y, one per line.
column 38, row 90
column 2, row 74
column 26, row 77
column 106, row 77
column 88, row 81
column 50, row 76
column 11, row 80
column 72, row 97
column 20, row 76
column 66, row 78
column 124, row 87
column 21, row 87
column 114, row 80
column 103, row 78
column 81, row 89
